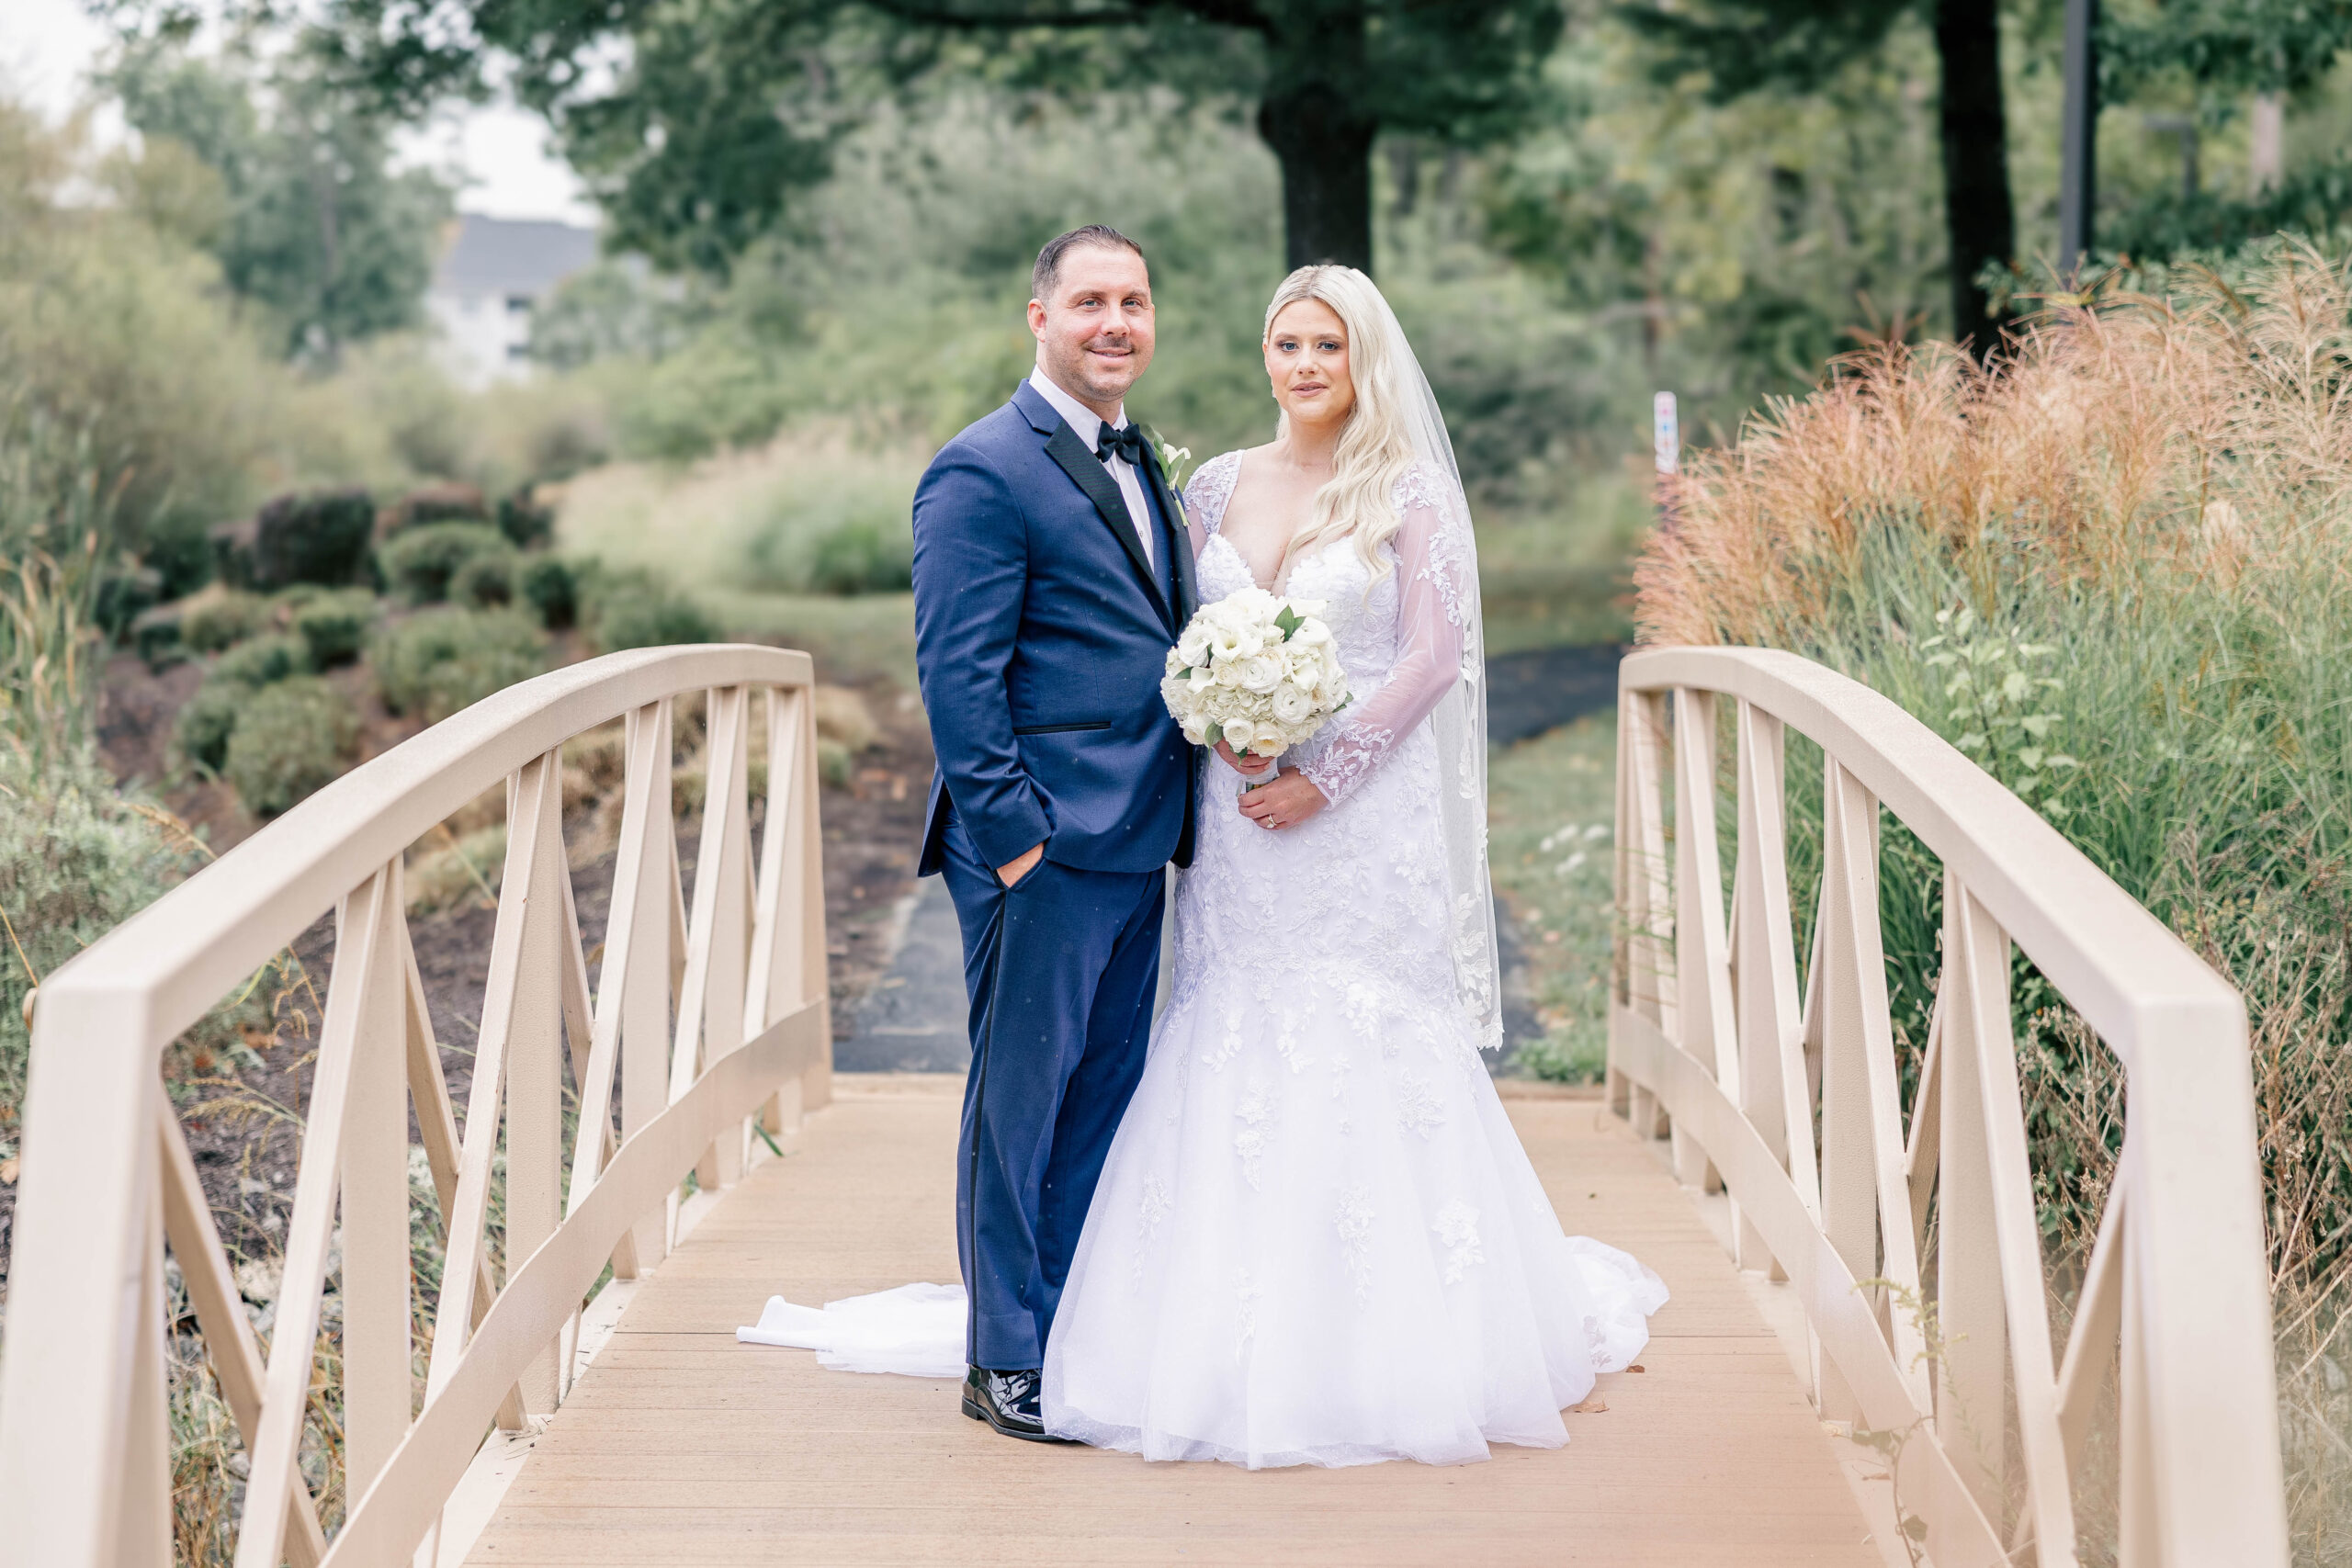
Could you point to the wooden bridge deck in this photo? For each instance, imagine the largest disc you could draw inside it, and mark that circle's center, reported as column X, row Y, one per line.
column 682, row 1446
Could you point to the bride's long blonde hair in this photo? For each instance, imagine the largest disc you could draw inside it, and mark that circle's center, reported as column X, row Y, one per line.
column 1375, row 448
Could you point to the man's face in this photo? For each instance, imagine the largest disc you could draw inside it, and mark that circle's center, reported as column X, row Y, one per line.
column 1094, row 336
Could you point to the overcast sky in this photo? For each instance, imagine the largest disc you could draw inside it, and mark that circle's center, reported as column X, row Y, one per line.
column 47, row 48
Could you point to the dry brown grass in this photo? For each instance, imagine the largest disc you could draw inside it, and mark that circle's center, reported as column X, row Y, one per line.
column 2156, row 489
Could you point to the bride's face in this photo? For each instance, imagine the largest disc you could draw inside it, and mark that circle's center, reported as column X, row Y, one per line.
column 1306, row 360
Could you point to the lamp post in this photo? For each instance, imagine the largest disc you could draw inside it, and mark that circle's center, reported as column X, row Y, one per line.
column 2078, row 136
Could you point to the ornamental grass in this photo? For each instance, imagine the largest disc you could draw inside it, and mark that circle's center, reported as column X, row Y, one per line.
column 2115, row 567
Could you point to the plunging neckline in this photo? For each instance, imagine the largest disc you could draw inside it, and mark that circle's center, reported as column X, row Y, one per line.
column 1241, row 461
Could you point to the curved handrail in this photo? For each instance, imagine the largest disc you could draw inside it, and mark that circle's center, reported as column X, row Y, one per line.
column 1709, row 1030
column 104, row 1173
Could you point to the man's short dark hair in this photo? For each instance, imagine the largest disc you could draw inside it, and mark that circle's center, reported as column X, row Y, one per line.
column 1048, row 270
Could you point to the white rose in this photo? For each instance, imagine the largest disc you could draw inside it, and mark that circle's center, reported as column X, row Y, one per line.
column 1196, row 729
column 1229, row 672
column 1311, row 633
column 1301, row 667
column 1240, row 733
column 1176, row 691
column 1292, row 705
column 1193, row 648
column 1262, row 672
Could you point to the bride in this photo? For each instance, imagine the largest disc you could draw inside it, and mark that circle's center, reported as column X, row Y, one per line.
column 1317, row 1239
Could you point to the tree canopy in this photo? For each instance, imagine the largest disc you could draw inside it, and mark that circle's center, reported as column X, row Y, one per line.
column 698, row 122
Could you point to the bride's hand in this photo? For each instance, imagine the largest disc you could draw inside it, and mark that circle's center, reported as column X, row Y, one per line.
column 1247, row 767
column 1285, row 802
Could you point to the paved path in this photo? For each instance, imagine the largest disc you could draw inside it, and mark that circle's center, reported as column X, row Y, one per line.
column 681, row 1446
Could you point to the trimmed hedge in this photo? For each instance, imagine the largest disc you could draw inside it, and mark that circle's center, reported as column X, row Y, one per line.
column 334, row 626
column 204, row 725
column 419, row 562
column 290, row 738
column 435, row 664
column 552, row 589
column 486, row 579
column 320, row 538
column 262, row 661
column 213, row 622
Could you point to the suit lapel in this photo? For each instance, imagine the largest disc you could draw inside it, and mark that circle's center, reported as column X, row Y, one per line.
column 1083, row 467
column 1178, row 544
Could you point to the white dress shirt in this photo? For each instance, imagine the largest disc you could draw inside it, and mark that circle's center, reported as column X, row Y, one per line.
column 1089, row 426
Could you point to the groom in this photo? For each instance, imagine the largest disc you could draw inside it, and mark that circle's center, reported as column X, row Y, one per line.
column 1052, row 575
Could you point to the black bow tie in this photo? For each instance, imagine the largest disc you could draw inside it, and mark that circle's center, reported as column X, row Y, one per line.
column 1126, row 442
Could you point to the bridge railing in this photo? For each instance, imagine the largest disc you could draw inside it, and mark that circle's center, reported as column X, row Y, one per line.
column 1790, row 1096
column 703, row 1019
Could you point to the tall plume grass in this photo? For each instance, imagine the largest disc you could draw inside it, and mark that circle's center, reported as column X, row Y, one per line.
column 2133, row 536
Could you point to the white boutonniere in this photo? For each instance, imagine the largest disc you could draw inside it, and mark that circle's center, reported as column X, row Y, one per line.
column 1172, row 458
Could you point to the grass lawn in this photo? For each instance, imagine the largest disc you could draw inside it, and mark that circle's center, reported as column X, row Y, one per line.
column 1550, row 802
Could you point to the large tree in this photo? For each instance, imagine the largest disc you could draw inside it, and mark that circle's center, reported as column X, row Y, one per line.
column 720, row 110
column 1751, row 45
column 313, row 228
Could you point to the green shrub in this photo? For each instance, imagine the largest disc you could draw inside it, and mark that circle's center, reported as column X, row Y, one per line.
column 124, row 594
column 438, row 504
column 435, row 664
column 486, row 579
column 334, row 626
column 630, row 607
column 321, row 537
column 419, row 562
column 524, row 521
column 74, row 862
column 262, row 661
column 859, row 558
column 211, row 622
column 551, row 587
column 203, row 726
column 289, row 739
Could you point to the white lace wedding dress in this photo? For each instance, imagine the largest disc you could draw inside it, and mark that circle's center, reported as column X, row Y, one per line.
column 1317, row 1239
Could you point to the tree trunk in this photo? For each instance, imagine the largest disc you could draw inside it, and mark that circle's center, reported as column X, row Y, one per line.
column 1325, row 149
column 1317, row 120
column 1980, row 224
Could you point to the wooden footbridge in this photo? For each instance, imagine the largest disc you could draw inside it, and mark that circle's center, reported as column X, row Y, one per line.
column 608, row 1208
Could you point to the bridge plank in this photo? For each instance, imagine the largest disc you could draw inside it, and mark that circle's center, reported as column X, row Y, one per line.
column 681, row 1445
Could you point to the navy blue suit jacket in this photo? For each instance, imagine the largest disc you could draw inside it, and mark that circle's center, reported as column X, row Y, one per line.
column 1041, row 635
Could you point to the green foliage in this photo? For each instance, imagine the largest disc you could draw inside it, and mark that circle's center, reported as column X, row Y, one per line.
column 440, row 661
column 220, row 620
column 728, row 111
column 2315, row 201
column 334, row 626
column 75, row 861
column 290, row 738
column 634, row 607
column 310, row 226
column 552, row 590
column 525, row 522
column 485, row 580
column 263, row 661
column 1550, row 807
column 319, row 537
column 201, row 730
column 419, row 562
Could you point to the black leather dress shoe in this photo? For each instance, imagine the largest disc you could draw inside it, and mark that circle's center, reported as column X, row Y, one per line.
column 1008, row 1401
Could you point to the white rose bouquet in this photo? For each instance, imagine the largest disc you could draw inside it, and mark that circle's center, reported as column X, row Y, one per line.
column 1256, row 670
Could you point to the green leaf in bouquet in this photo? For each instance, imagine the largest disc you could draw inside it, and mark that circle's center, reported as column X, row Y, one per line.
column 1216, row 733
column 1289, row 620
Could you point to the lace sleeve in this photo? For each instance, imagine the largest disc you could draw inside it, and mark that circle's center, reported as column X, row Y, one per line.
column 1432, row 613
column 1205, row 497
